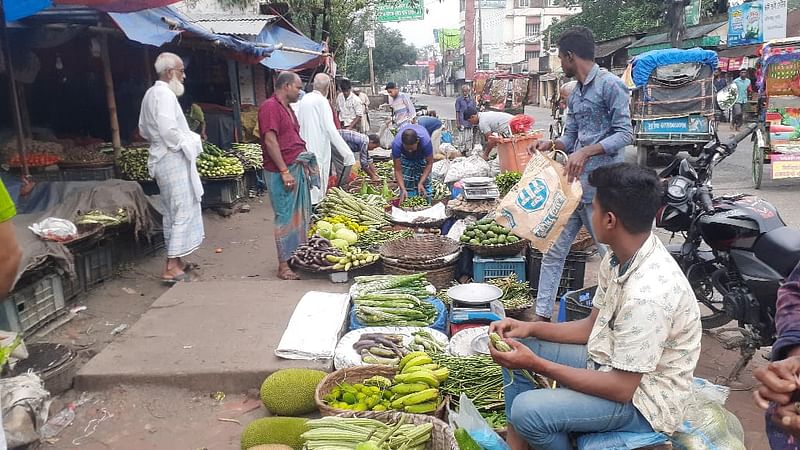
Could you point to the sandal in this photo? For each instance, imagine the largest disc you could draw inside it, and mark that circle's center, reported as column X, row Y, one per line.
column 184, row 277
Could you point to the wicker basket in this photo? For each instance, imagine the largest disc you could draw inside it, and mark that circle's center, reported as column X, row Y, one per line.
column 582, row 241
column 419, row 248
column 353, row 375
column 440, row 278
column 442, row 437
column 499, row 250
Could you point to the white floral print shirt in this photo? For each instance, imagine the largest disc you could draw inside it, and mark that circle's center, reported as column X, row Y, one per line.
column 648, row 323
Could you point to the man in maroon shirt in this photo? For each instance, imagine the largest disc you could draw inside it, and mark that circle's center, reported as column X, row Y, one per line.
column 284, row 166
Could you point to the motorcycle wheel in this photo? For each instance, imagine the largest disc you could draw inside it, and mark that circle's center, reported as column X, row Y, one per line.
column 712, row 314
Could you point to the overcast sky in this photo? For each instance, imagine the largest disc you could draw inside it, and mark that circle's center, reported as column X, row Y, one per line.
column 439, row 15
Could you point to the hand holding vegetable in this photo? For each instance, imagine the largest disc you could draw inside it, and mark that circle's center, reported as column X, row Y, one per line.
column 511, row 328
column 519, row 357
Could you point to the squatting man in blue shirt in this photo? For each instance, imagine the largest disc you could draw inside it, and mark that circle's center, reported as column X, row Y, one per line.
column 596, row 131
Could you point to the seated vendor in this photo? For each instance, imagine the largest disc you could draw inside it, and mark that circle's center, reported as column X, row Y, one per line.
column 628, row 367
column 412, row 153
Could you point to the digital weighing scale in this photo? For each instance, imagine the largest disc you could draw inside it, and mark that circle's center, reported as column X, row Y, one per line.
column 480, row 188
column 475, row 302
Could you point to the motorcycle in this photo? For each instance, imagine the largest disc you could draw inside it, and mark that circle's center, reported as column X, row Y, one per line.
column 735, row 245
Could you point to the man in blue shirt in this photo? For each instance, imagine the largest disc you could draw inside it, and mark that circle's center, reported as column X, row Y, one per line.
column 430, row 122
column 465, row 128
column 596, row 131
column 412, row 153
column 362, row 144
column 743, row 87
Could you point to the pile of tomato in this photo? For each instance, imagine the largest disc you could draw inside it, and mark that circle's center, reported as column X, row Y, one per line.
column 34, row 160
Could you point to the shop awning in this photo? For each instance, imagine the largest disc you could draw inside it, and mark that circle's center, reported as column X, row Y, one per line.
column 607, row 48
column 160, row 26
column 694, row 37
column 289, row 60
column 738, row 52
column 235, row 26
column 19, row 9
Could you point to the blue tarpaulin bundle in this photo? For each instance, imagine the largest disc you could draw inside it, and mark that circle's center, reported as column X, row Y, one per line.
column 646, row 63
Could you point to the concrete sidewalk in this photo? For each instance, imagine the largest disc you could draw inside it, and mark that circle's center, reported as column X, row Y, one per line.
column 205, row 336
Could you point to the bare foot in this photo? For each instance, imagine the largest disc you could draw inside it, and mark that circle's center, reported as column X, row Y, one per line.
column 287, row 274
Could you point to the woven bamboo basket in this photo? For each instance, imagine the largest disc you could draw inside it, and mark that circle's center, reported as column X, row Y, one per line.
column 440, row 278
column 428, row 265
column 499, row 250
column 419, row 248
column 353, row 375
column 442, row 437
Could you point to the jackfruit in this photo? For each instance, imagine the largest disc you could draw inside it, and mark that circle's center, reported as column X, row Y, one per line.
column 274, row 430
column 290, row 392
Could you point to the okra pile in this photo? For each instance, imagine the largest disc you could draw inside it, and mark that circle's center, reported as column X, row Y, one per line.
column 415, row 389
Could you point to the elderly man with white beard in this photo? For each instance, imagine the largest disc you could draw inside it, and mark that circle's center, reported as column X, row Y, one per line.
column 172, row 163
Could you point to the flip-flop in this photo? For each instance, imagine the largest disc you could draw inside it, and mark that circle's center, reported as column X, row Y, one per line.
column 184, row 277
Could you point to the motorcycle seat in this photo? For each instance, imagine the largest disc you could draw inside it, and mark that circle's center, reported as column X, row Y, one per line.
column 780, row 249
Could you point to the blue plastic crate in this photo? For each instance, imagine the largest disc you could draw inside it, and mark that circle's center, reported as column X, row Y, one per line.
column 574, row 307
column 484, row 269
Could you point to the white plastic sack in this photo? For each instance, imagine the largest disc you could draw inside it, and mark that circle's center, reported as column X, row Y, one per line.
column 25, row 406
column 386, row 136
column 440, row 169
column 54, row 229
column 472, row 166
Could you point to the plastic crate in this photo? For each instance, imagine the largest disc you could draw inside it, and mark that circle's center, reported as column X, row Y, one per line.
column 484, row 269
column 223, row 192
column 571, row 308
column 29, row 307
column 571, row 277
column 95, row 265
column 89, row 174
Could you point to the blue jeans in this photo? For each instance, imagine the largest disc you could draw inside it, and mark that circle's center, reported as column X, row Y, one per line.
column 545, row 417
column 553, row 260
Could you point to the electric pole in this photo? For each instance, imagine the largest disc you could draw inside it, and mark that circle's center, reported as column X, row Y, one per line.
column 676, row 18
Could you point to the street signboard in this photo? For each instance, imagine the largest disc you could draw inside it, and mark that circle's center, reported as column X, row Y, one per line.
column 400, row 11
column 369, row 38
column 775, row 15
column 746, row 24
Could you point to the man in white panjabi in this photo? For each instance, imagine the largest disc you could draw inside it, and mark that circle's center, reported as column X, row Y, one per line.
column 365, row 125
column 172, row 163
column 319, row 131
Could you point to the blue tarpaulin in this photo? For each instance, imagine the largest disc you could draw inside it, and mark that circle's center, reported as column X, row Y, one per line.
column 147, row 27
column 286, row 60
column 646, row 63
column 19, row 9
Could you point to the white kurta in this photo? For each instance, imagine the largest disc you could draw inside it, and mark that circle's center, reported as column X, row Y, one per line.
column 319, row 131
column 172, row 162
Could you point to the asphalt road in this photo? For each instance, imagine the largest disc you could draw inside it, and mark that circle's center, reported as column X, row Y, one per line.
column 733, row 175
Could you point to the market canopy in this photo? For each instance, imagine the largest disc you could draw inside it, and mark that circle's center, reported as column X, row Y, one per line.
column 19, row 9
column 160, row 26
column 289, row 60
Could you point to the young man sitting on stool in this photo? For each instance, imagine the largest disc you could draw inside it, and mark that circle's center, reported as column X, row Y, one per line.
column 629, row 365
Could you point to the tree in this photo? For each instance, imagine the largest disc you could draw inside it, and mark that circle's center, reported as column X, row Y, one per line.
column 391, row 52
column 614, row 18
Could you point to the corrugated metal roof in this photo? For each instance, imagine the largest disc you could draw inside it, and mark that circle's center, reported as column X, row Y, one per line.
column 606, row 48
column 736, row 52
column 691, row 33
column 238, row 26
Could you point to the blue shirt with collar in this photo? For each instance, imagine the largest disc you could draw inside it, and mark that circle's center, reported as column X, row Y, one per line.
column 599, row 113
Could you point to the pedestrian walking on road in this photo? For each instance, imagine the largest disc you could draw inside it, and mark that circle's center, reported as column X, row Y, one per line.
column 466, row 130
column 290, row 170
column 364, row 101
column 173, row 164
column 596, row 131
column 743, row 90
column 403, row 109
column 318, row 130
